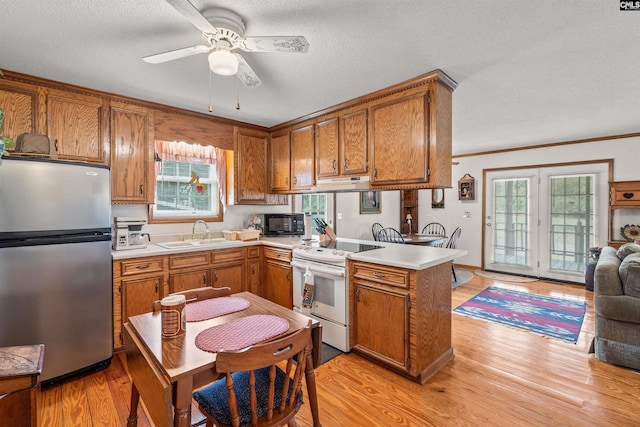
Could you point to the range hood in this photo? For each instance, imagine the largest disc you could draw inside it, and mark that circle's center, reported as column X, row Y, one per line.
column 351, row 183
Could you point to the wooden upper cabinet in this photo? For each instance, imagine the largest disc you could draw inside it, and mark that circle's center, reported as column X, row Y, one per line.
column 280, row 162
column 302, row 157
column 399, row 133
column 76, row 125
column 410, row 135
column 327, row 150
column 19, row 103
column 132, row 173
column 353, row 142
column 251, row 181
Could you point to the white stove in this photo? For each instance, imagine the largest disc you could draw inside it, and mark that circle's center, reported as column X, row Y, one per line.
column 334, row 252
column 326, row 261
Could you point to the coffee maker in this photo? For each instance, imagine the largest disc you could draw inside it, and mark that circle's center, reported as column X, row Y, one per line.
column 128, row 233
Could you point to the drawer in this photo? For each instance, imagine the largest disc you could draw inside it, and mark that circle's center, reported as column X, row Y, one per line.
column 188, row 260
column 227, row 255
column 253, row 251
column 281, row 254
column 379, row 274
column 625, row 195
column 132, row 267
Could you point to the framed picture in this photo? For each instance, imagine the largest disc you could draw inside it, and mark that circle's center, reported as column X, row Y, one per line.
column 437, row 198
column 370, row 202
column 466, row 188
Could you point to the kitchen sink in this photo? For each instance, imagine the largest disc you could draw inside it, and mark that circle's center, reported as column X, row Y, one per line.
column 211, row 241
column 191, row 243
column 178, row 244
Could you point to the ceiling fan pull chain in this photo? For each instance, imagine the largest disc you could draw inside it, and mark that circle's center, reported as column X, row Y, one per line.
column 210, row 106
column 237, row 94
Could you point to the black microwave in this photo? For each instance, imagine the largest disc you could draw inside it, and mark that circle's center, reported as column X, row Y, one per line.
column 274, row 224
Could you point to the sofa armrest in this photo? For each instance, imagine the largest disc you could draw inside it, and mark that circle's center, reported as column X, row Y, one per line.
column 621, row 308
column 606, row 279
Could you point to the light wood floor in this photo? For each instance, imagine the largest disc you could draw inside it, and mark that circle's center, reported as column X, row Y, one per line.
column 500, row 377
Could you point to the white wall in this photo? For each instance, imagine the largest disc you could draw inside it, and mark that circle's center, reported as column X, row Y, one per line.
column 625, row 152
column 235, row 217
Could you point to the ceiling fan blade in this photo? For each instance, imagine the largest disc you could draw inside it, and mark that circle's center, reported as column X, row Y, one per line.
column 176, row 54
column 246, row 75
column 193, row 15
column 294, row 44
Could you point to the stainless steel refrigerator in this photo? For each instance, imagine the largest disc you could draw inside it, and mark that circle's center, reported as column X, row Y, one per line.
column 55, row 262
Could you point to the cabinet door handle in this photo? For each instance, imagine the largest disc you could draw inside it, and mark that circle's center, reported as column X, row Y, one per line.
column 204, row 279
column 141, row 189
column 295, row 180
column 628, row 195
column 357, row 295
column 142, row 266
column 157, row 286
column 375, row 173
column 288, row 275
column 346, row 163
column 286, row 181
column 55, row 143
column 333, row 164
column 253, row 269
column 376, row 274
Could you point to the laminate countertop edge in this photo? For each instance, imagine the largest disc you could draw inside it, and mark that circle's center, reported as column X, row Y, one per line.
column 392, row 254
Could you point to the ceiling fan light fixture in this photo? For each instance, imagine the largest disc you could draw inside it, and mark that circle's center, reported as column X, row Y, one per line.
column 223, row 62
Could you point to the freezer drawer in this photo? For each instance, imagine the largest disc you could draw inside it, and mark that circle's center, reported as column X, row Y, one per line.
column 58, row 295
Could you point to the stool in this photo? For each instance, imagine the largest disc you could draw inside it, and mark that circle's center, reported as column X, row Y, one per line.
column 20, row 369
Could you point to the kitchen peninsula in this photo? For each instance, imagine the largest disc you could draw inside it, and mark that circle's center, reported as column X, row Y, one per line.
column 399, row 295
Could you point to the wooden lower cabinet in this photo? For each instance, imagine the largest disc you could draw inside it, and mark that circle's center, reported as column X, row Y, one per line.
column 384, row 337
column 231, row 275
column 277, row 285
column 137, row 283
column 401, row 318
column 190, row 279
column 254, row 259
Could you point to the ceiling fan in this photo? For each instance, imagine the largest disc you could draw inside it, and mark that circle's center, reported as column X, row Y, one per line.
column 223, row 30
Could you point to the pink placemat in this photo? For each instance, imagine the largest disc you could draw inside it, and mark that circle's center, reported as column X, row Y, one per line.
column 241, row 333
column 214, row 307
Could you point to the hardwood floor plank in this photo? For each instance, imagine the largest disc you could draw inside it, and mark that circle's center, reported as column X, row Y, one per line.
column 500, row 376
column 103, row 409
column 75, row 405
column 50, row 407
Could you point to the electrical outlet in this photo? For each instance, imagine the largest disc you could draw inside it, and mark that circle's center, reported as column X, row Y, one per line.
column 466, row 214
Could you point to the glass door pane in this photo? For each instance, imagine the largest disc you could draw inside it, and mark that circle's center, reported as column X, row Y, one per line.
column 511, row 225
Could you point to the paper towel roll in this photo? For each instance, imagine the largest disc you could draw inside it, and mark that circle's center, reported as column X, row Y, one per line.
column 307, row 227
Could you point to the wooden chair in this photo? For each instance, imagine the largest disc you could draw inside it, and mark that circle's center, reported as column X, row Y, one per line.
column 254, row 390
column 435, row 229
column 391, row 235
column 375, row 229
column 198, row 294
column 453, row 244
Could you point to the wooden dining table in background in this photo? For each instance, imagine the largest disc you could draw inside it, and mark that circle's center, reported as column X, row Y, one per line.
column 423, row 239
column 165, row 371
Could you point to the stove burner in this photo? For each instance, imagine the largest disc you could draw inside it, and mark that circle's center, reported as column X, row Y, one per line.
column 347, row 246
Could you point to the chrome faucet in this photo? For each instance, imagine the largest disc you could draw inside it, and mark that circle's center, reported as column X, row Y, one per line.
column 193, row 231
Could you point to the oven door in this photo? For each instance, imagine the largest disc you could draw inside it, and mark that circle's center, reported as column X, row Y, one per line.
column 330, row 292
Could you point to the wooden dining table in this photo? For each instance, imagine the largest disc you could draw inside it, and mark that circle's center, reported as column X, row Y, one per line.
column 165, row 371
column 423, row 239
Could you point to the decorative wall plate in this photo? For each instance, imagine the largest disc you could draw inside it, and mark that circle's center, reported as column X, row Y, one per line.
column 630, row 232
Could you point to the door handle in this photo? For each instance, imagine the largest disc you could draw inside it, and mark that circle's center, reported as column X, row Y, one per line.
column 488, row 224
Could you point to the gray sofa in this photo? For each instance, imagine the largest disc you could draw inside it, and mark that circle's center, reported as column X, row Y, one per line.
column 617, row 305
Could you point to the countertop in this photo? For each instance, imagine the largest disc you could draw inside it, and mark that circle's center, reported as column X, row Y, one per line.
column 393, row 254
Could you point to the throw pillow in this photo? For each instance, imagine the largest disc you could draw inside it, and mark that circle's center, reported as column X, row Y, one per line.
column 630, row 275
column 627, row 249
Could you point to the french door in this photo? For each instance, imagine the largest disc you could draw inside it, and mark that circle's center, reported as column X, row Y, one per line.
column 541, row 222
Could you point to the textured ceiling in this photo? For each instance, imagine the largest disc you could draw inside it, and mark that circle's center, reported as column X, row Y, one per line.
column 528, row 73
